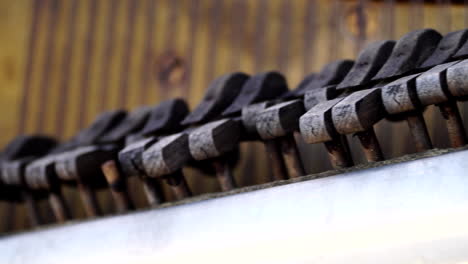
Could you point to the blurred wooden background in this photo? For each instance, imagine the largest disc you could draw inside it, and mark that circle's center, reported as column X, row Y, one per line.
column 64, row 61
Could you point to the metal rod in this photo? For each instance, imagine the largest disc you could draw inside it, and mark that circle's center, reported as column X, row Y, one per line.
column 224, row 174
column 337, row 151
column 118, row 186
column 273, row 150
column 59, row 206
column 291, row 156
column 34, row 216
column 178, row 185
column 370, row 145
column 455, row 127
column 153, row 190
column 88, row 197
column 418, row 130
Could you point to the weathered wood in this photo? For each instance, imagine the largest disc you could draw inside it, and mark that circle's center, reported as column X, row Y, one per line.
column 409, row 52
column 399, row 96
column 214, row 139
column 130, row 157
column 367, row 64
column 316, row 125
column 447, row 48
column 430, row 85
column 260, row 87
column 166, row 156
column 220, row 94
column 358, row 111
column 457, row 83
column 279, row 120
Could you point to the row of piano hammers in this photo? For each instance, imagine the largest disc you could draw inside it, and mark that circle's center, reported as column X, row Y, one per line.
column 395, row 80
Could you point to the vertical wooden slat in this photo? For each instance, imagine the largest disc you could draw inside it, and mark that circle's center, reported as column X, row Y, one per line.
column 89, row 51
column 145, row 65
column 108, row 55
column 65, row 70
column 37, row 71
column 71, row 88
column 137, row 53
column 128, row 42
column 117, row 57
column 101, row 40
column 59, row 68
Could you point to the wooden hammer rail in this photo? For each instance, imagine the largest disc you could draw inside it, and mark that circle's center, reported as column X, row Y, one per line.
column 396, row 80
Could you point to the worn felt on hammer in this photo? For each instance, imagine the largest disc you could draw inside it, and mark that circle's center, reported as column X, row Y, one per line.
column 313, row 97
column 165, row 118
column 446, row 49
column 260, row 87
column 367, row 64
column 409, row 52
column 103, row 124
column 132, row 122
column 332, row 73
column 220, row 94
column 28, row 145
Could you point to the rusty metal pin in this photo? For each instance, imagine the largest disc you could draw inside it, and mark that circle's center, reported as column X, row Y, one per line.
column 455, row 127
column 316, row 126
column 224, row 174
column 165, row 159
column 357, row 113
column 279, row 122
column 117, row 185
column 370, row 145
column 34, row 216
column 418, row 130
column 59, row 207
column 213, row 141
column 291, row 156
column 277, row 163
column 178, row 185
column 89, row 200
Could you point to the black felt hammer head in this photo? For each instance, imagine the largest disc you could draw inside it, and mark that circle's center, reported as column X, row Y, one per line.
column 220, row 95
column 165, row 118
column 409, row 53
column 260, row 87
